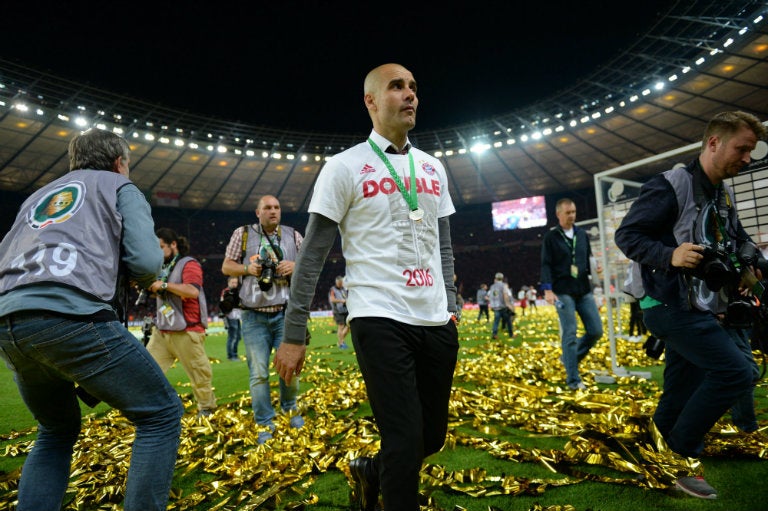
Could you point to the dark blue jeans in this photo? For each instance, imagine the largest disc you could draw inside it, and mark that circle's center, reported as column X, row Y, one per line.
column 48, row 355
column 408, row 373
column 705, row 374
column 234, row 333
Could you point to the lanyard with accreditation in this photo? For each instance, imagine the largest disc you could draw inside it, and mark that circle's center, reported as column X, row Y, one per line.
column 572, row 243
column 411, row 198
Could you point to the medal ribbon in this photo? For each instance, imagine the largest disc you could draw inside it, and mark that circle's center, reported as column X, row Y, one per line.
column 410, row 198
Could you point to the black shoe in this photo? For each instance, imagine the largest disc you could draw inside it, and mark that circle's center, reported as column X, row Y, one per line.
column 365, row 479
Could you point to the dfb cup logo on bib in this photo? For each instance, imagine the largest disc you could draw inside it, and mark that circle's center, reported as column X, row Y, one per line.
column 57, row 206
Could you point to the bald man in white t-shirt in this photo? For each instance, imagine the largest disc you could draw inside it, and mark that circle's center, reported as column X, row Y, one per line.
column 390, row 203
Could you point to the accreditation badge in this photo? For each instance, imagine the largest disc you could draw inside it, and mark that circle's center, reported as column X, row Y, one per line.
column 574, row 271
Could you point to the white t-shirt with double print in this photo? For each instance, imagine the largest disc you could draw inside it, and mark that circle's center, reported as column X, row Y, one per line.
column 393, row 263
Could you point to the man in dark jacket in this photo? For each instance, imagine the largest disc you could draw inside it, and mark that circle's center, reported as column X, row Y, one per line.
column 666, row 230
column 565, row 278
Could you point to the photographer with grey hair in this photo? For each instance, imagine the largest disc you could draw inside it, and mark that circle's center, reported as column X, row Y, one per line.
column 72, row 247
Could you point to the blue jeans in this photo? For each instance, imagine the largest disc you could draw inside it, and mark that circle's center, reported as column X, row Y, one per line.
column 743, row 410
column 48, row 355
column 498, row 316
column 704, row 375
column 234, row 332
column 574, row 350
column 263, row 332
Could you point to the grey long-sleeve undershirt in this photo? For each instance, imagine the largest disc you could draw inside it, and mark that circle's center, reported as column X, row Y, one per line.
column 320, row 235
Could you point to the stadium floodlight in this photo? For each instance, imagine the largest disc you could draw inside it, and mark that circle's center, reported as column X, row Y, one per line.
column 264, row 154
column 165, row 140
column 596, row 115
column 728, row 42
column 149, row 136
column 559, row 129
column 584, row 119
column 221, row 149
column 524, row 138
column 21, row 107
column 81, row 122
column 304, row 157
column 536, row 135
column 672, row 78
column 39, row 111
column 634, row 98
column 609, row 110
column 659, row 86
column 117, row 130
column 511, row 141
column 646, row 92
column 547, row 132
column 758, row 19
column 449, row 152
column 686, row 69
column 178, row 142
column 743, row 31
column 101, row 126
column 700, row 61
column 249, row 152
column 573, row 123
column 462, row 151
column 497, row 144
column 193, row 145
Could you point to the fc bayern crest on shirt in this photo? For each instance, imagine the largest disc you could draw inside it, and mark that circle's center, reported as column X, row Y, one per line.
column 57, row 206
column 428, row 168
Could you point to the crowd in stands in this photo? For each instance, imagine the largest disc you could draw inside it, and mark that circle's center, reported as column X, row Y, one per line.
column 479, row 251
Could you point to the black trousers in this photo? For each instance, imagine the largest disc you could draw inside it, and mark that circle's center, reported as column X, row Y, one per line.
column 408, row 373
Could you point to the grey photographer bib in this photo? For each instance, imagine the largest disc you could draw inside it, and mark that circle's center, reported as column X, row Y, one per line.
column 170, row 310
column 251, row 296
column 701, row 297
column 67, row 233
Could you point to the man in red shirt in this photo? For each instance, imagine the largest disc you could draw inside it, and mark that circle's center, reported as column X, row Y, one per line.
column 181, row 318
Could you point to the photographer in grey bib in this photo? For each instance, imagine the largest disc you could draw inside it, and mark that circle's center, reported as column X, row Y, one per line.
column 337, row 297
column 698, row 275
column 65, row 267
column 181, row 318
column 263, row 256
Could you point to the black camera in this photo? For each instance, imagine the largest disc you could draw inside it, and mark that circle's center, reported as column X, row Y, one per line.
column 230, row 299
column 654, row 347
column 146, row 329
column 716, row 268
column 143, row 298
column 267, row 277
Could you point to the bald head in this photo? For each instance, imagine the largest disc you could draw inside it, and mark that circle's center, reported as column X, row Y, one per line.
column 374, row 77
column 390, row 97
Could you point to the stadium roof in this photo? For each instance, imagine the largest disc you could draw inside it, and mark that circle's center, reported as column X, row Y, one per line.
column 700, row 58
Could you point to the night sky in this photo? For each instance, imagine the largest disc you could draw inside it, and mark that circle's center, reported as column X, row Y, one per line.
column 300, row 65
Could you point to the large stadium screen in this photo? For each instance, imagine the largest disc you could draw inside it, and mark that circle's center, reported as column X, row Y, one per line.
column 519, row 213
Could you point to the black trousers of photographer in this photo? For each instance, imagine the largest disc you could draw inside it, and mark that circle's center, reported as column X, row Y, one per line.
column 704, row 375
column 408, row 373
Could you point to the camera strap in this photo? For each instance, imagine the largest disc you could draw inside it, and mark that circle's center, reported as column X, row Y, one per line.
column 721, row 193
column 275, row 250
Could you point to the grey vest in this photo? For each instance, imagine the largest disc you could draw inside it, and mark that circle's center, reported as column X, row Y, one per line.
column 177, row 323
column 68, row 233
column 251, row 296
column 701, row 297
column 496, row 296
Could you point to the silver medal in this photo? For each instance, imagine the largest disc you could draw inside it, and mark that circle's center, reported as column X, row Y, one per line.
column 416, row 214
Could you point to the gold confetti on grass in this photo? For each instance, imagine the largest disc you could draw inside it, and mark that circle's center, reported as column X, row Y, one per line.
column 498, row 386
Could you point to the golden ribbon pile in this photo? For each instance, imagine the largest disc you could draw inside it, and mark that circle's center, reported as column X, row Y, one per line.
column 497, row 388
